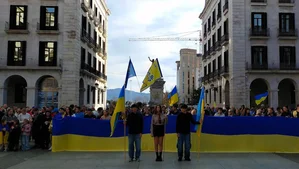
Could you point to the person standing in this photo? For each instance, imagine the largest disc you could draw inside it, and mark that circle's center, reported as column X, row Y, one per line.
column 158, row 123
column 183, row 132
column 134, row 122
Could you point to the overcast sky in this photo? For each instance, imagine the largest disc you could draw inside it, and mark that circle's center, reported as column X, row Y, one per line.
column 147, row 18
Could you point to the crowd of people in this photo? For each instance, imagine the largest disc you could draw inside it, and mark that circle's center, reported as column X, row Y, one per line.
column 20, row 127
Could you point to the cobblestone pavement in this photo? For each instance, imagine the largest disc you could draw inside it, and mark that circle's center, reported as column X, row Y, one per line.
column 78, row 160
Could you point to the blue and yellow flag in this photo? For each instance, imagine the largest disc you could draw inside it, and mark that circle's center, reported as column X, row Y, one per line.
column 130, row 72
column 260, row 98
column 119, row 108
column 173, row 96
column 200, row 110
column 154, row 73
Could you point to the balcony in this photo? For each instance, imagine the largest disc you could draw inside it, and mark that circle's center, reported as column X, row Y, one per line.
column 47, row 30
column 104, row 54
column 287, row 66
column 205, row 35
column 213, row 24
column 91, row 43
column 213, row 49
column 224, row 39
column 258, row 2
column 287, row 3
column 218, row 45
column 91, row 14
column 92, row 72
column 257, row 66
column 96, row 21
column 85, row 6
column 225, row 8
column 259, row 33
column 84, row 36
column 99, row 50
column 204, row 56
column 287, row 34
column 208, row 52
column 223, row 70
column 16, row 30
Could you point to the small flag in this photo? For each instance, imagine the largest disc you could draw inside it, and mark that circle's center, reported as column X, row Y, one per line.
column 260, row 98
column 173, row 96
column 119, row 108
column 130, row 72
column 154, row 73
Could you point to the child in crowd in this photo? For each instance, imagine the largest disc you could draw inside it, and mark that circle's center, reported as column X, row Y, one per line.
column 14, row 136
column 26, row 130
column 4, row 133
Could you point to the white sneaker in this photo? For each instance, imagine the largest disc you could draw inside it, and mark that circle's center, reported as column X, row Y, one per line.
column 50, row 149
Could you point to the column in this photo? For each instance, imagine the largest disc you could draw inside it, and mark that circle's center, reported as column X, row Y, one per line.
column 3, row 95
column 31, row 99
column 273, row 98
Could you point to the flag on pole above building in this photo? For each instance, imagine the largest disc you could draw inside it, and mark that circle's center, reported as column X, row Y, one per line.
column 154, row 73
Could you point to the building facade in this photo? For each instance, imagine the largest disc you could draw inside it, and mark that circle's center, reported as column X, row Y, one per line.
column 53, row 52
column 250, row 47
column 187, row 75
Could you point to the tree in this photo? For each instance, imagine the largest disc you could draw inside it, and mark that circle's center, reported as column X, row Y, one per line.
column 165, row 99
column 196, row 96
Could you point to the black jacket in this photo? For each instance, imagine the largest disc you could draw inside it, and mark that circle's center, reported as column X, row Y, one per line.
column 183, row 123
column 135, row 123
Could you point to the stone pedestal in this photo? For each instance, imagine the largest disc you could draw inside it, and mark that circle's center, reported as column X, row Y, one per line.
column 156, row 92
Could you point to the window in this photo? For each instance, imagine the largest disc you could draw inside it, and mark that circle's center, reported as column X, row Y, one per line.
column 93, row 95
column 104, row 46
column 219, row 34
column 16, row 54
column 89, row 59
column 226, row 55
column 104, row 69
column 214, row 39
column 205, row 71
column 219, row 62
column 100, row 19
column 84, row 22
column 214, row 18
column 287, row 57
column 259, row 22
column 215, row 95
column 226, row 27
column 220, row 94
column 83, row 53
column 205, row 30
column 94, row 62
column 96, row 11
column 89, row 29
column 88, row 94
column 219, row 11
column 210, row 96
column 286, row 22
column 95, row 36
column 259, row 59
column 48, row 17
column 90, row 3
column 18, row 17
column 48, row 53
column 209, row 68
column 214, row 65
column 209, row 24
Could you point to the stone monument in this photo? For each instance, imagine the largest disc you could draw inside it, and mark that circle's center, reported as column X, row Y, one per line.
column 156, row 92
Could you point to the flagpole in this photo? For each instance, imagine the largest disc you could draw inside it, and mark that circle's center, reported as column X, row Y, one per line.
column 125, row 141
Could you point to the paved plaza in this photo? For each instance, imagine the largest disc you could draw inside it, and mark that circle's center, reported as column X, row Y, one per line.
column 38, row 159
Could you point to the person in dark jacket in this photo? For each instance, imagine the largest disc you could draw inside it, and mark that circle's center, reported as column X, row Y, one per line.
column 183, row 132
column 14, row 136
column 134, row 122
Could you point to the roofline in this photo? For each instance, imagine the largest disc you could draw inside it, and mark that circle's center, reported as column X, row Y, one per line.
column 205, row 9
column 105, row 7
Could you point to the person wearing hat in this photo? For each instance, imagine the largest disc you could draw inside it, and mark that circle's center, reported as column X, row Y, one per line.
column 183, row 132
column 134, row 122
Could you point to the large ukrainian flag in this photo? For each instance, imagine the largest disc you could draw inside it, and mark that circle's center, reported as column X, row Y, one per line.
column 200, row 111
column 173, row 96
column 154, row 73
column 119, row 108
column 260, row 98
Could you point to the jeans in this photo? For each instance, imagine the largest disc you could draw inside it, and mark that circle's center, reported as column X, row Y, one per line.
column 186, row 140
column 134, row 141
column 25, row 143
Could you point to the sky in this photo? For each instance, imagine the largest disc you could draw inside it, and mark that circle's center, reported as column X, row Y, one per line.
column 149, row 18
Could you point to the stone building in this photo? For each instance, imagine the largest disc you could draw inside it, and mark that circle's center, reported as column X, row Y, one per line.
column 250, row 47
column 53, row 52
column 187, row 75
